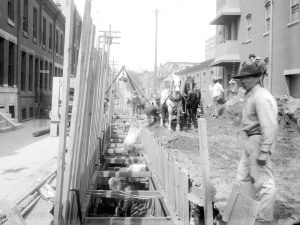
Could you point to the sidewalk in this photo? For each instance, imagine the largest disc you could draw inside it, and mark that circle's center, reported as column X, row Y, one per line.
column 25, row 159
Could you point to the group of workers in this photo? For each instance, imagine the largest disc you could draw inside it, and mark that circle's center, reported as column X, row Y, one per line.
column 260, row 124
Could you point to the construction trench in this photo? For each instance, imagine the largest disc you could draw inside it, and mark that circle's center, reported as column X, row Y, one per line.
column 138, row 181
column 114, row 169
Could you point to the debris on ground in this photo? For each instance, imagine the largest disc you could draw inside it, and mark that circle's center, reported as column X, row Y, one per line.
column 225, row 148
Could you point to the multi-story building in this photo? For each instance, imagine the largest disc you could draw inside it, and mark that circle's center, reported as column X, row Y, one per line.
column 31, row 54
column 31, row 45
column 210, row 48
column 269, row 29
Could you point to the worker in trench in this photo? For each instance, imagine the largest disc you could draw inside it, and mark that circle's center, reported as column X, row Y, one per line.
column 152, row 112
column 260, row 124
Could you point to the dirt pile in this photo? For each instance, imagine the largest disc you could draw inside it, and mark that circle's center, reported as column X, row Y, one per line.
column 288, row 110
column 225, row 141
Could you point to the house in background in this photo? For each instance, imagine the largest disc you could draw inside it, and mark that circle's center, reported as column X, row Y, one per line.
column 269, row 29
column 31, row 54
column 166, row 70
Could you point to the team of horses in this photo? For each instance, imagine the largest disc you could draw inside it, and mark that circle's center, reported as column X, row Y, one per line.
column 180, row 105
column 175, row 104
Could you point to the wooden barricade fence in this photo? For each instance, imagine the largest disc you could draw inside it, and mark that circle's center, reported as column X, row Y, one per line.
column 78, row 158
column 171, row 177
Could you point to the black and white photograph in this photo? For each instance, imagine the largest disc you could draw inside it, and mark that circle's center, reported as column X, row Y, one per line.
column 149, row 112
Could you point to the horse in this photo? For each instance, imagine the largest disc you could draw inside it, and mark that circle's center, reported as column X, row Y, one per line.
column 191, row 101
column 171, row 101
column 135, row 102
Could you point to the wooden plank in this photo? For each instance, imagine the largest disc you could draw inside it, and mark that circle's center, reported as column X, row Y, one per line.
column 128, row 221
column 41, row 132
column 13, row 215
column 68, row 9
column 205, row 173
column 123, row 174
column 230, row 203
column 55, row 106
column 116, row 151
column 185, row 190
column 244, row 211
column 120, row 161
column 177, row 188
column 126, row 194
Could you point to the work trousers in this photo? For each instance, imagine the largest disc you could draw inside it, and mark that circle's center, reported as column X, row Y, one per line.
column 257, row 181
column 216, row 106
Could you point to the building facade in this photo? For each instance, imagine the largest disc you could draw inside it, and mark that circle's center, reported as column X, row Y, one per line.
column 31, row 54
column 31, row 45
column 210, row 48
column 269, row 29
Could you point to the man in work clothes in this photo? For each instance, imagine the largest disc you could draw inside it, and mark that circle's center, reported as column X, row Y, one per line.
column 218, row 96
column 136, row 101
column 260, row 123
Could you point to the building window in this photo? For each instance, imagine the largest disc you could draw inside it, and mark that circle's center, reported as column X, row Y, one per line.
column 61, row 44
column 267, row 16
column 249, row 26
column 31, row 112
column 36, row 76
column 44, row 31
column 10, row 9
column 50, row 36
column 30, row 77
column 34, row 24
column 23, row 71
column 46, row 73
column 25, row 16
column 1, row 61
column 56, row 41
column 294, row 10
column 50, row 76
column 11, row 64
column 41, row 74
column 24, row 112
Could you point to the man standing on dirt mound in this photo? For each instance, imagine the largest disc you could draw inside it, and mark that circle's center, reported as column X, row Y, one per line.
column 260, row 123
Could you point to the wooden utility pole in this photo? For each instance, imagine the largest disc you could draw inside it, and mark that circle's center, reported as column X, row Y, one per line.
column 155, row 57
column 271, row 46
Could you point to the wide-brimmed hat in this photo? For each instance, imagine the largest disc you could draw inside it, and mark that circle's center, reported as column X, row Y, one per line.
column 251, row 55
column 248, row 70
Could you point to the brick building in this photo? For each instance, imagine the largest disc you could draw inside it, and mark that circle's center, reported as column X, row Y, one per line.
column 31, row 54
column 269, row 29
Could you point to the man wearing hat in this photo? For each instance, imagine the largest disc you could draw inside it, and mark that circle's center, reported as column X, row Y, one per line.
column 252, row 57
column 217, row 92
column 135, row 102
column 260, row 123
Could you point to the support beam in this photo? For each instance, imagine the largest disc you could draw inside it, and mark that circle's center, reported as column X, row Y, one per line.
column 129, row 221
column 205, row 173
column 127, row 194
column 123, row 174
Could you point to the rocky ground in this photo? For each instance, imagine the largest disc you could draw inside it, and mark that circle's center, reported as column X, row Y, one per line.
column 225, row 149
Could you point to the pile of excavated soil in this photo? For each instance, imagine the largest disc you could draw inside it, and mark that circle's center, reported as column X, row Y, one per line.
column 225, row 141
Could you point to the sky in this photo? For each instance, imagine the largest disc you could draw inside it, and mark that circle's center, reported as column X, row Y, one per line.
column 183, row 27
